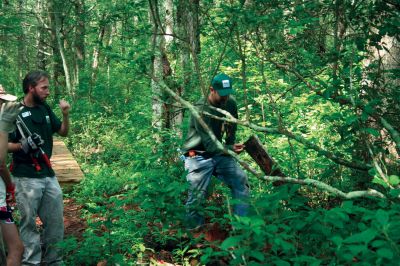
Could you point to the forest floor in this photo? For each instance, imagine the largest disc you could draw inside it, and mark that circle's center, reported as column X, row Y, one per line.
column 74, row 225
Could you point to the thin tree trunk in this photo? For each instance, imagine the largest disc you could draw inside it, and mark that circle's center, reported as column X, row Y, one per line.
column 96, row 55
column 40, row 42
column 182, row 26
column 63, row 58
column 57, row 42
column 242, row 54
column 109, row 40
column 338, row 37
column 57, row 71
column 23, row 63
column 169, row 21
column 80, row 32
column 193, row 31
column 157, row 71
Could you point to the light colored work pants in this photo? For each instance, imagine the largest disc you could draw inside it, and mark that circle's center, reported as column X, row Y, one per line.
column 40, row 197
column 200, row 171
column 2, row 193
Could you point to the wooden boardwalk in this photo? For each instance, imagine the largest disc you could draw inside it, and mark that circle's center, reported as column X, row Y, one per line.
column 66, row 168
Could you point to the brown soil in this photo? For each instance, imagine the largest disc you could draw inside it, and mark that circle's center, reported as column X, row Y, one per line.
column 73, row 223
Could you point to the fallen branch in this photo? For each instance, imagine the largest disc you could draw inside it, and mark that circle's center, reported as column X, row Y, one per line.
column 330, row 155
column 307, row 181
column 326, row 187
column 311, row 182
column 392, row 131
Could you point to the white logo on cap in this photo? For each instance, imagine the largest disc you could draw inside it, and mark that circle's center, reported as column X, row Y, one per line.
column 225, row 83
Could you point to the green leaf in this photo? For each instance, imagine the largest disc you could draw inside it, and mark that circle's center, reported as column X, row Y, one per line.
column 385, row 253
column 394, row 180
column 382, row 217
column 363, row 237
column 371, row 131
column 364, row 116
column 347, row 205
column 308, row 259
column 379, row 181
column 372, row 172
column 337, row 240
column 378, row 243
column 231, row 242
column 351, row 119
column 356, row 249
column 395, row 193
column 257, row 255
column 281, row 263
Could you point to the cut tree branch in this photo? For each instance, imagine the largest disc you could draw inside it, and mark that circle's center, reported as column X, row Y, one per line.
column 330, row 155
column 310, row 182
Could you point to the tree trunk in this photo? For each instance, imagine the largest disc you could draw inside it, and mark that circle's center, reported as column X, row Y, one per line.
column 242, row 54
column 23, row 63
column 41, row 61
column 57, row 54
column 109, row 39
column 157, row 68
column 194, row 40
column 80, row 32
column 96, row 55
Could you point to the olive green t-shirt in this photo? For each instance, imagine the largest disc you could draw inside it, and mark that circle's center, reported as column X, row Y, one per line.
column 41, row 120
column 198, row 139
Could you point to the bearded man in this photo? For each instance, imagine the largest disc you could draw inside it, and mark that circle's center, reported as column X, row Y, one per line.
column 38, row 192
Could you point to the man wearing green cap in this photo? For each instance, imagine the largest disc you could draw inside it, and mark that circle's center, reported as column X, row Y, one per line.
column 203, row 158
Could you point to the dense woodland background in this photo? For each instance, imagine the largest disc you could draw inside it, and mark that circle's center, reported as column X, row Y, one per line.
column 316, row 81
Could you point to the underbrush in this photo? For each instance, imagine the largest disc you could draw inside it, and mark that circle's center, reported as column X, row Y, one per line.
column 133, row 201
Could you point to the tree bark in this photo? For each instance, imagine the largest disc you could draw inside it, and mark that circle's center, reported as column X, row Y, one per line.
column 80, row 32
column 108, row 40
column 96, row 55
column 23, row 63
column 157, row 67
column 61, row 63
column 41, row 61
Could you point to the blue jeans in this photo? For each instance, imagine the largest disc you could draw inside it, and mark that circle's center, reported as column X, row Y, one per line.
column 200, row 171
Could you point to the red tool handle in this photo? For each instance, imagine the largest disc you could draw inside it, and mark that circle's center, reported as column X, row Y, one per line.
column 36, row 163
column 45, row 158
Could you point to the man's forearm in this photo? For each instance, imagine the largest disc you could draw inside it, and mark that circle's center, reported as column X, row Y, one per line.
column 14, row 147
column 3, row 147
column 3, row 155
column 5, row 174
column 64, row 126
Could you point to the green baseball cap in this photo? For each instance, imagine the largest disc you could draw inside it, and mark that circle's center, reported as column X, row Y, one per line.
column 222, row 83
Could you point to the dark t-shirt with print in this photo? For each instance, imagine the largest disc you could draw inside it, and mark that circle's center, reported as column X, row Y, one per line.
column 41, row 120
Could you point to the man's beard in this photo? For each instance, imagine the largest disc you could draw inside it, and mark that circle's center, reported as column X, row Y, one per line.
column 37, row 99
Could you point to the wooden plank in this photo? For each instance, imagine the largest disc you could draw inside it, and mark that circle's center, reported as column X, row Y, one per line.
column 66, row 168
column 258, row 152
